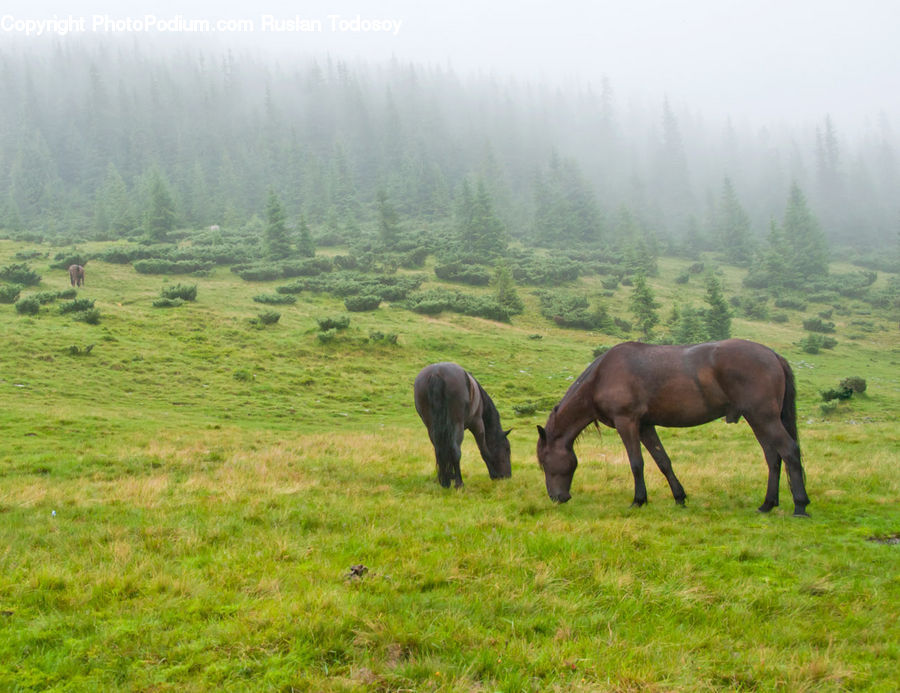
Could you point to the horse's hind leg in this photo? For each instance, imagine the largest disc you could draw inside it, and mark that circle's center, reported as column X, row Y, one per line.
column 654, row 446
column 778, row 445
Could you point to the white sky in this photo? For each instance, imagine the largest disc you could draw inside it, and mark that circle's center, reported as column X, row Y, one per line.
column 761, row 60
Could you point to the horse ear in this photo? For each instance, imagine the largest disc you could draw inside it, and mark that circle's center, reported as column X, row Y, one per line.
column 542, row 434
column 507, row 432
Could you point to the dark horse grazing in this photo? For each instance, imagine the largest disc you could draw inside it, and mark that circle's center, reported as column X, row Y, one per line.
column 76, row 275
column 634, row 387
column 450, row 400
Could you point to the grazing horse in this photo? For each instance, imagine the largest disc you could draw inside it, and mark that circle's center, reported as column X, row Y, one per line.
column 76, row 275
column 450, row 400
column 635, row 387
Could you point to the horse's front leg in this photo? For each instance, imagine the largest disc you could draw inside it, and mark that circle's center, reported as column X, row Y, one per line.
column 651, row 441
column 630, row 434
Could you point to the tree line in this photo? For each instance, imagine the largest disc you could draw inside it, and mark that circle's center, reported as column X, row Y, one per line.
column 104, row 140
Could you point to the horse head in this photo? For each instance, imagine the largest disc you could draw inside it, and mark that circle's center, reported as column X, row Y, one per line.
column 558, row 460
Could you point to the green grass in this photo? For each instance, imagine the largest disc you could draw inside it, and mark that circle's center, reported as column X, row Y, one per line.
column 180, row 508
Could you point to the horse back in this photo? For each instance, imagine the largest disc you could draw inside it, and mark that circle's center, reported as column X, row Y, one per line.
column 686, row 385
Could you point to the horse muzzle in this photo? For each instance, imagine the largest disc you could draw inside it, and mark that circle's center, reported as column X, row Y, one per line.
column 561, row 497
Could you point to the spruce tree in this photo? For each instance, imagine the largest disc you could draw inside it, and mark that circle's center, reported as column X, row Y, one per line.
column 809, row 248
column 388, row 221
column 505, row 290
column 643, row 306
column 159, row 218
column 733, row 227
column 305, row 245
column 481, row 233
column 278, row 245
column 717, row 317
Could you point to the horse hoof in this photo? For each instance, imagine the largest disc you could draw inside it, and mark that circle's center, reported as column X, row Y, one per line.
column 764, row 508
column 637, row 504
column 680, row 502
column 801, row 513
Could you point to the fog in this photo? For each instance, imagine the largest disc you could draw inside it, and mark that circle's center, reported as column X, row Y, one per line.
column 764, row 61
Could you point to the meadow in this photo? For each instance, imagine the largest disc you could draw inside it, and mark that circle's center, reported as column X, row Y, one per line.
column 191, row 501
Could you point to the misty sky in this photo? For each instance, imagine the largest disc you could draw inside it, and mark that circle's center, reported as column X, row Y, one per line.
column 756, row 60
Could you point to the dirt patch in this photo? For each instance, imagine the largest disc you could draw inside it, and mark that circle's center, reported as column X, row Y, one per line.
column 886, row 538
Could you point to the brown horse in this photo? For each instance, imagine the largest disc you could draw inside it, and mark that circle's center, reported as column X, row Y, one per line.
column 449, row 400
column 76, row 275
column 634, row 387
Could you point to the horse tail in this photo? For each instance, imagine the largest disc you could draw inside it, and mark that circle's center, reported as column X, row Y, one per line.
column 442, row 430
column 789, row 403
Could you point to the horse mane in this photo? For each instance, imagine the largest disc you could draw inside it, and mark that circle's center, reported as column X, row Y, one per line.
column 489, row 414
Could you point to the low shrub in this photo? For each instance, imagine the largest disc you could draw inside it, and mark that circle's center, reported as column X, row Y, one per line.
column 813, row 343
column 473, row 275
column 268, row 317
column 276, row 299
column 28, row 306
column 20, row 273
column 9, row 293
column 79, row 305
column 341, row 322
column 854, row 384
column 838, row 393
column 818, row 325
column 163, row 266
column 790, row 303
column 183, row 291
column 359, row 304
column 168, row 302
column 377, row 336
column 326, row 336
column 90, row 316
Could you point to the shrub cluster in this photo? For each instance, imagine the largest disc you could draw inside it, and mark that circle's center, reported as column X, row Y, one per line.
column 9, row 293
column 276, row 299
column 28, row 306
column 20, row 273
column 574, row 311
column 818, row 325
column 340, row 322
column 184, row 292
column 464, row 273
column 359, row 304
column 268, row 317
column 164, row 266
column 814, row 343
column 436, row 301
column 168, row 302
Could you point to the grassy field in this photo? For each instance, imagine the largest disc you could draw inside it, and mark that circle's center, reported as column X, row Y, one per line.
column 186, row 505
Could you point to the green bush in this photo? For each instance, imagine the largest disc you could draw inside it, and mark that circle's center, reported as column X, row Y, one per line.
column 268, row 317
column 377, row 336
column 276, row 299
column 164, row 266
column 839, row 393
column 818, row 325
column 9, row 293
column 28, row 306
column 854, row 384
column 474, row 275
column 334, row 323
column 790, row 303
column 327, row 335
column 90, row 316
column 813, row 343
column 67, row 294
column 359, row 304
column 182, row 291
column 168, row 302
column 20, row 273
column 79, row 305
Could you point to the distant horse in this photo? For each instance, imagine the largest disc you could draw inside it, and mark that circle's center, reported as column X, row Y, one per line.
column 76, row 275
column 450, row 400
column 214, row 227
column 634, row 387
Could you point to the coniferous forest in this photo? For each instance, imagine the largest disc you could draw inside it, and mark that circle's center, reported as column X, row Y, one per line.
column 88, row 130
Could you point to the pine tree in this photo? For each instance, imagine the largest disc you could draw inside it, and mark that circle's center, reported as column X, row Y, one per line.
column 689, row 328
column 733, row 227
column 809, row 248
column 159, row 217
column 505, row 290
column 481, row 233
column 717, row 317
column 278, row 245
column 643, row 306
column 305, row 246
column 388, row 221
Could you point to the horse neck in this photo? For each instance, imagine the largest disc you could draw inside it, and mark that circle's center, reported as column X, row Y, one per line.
column 573, row 414
column 490, row 418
